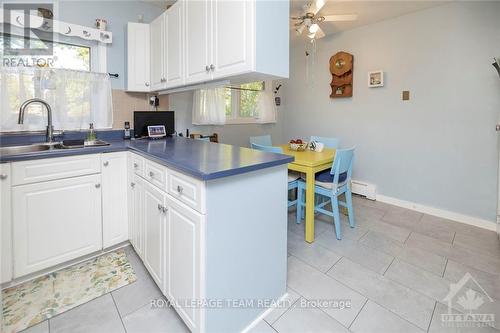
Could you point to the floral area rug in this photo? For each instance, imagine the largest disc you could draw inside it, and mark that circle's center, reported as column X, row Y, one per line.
column 36, row 300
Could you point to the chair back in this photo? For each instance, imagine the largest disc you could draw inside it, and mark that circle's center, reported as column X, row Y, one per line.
column 332, row 143
column 342, row 163
column 207, row 139
column 269, row 149
column 263, row 140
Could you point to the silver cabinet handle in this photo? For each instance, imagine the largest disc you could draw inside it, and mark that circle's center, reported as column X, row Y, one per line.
column 160, row 207
column 151, row 174
column 498, row 127
column 97, row 185
column 207, row 68
column 3, row 176
column 146, row 84
column 212, row 67
column 132, row 184
column 164, row 209
column 179, row 189
column 106, row 163
column 136, row 165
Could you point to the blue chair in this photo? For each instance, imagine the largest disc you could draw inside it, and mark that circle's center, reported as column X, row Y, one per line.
column 263, row 140
column 293, row 178
column 332, row 143
column 206, row 139
column 331, row 186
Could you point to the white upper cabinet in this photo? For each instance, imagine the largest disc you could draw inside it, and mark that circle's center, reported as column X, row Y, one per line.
column 138, row 57
column 233, row 36
column 198, row 40
column 174, row 19
column 157, row 31
column 114, row 198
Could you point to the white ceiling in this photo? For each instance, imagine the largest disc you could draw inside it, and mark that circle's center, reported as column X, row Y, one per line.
column 368, row 12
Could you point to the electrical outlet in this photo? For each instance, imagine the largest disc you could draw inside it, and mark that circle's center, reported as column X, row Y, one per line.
column 406, row 95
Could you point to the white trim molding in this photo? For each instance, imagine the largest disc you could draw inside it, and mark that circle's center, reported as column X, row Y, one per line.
column 442, row 213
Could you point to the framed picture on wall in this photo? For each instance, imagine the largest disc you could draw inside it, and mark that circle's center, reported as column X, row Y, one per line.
column 376, row 79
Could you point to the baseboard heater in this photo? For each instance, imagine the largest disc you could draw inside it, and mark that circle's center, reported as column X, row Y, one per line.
column 364, row 189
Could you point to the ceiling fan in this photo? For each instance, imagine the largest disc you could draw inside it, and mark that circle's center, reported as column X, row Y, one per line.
column 309, row 21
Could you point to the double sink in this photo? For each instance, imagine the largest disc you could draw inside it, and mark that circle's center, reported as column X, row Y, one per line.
column 39, row 147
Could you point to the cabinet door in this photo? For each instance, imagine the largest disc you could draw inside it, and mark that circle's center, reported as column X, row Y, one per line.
column 197, row 39
column 154, row 220
column 233, row 37
column 138, row 57
column 137, row 215
column 186, row 239
column 114, row 198
column 55, row 221
column 174, row 48
column 5, row 223
column 157, row 31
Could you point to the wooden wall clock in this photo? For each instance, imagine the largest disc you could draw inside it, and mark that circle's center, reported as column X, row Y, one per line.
column 341, row 68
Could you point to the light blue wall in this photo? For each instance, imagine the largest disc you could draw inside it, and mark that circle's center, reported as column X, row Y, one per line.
column 117, row 13
column 438, row 149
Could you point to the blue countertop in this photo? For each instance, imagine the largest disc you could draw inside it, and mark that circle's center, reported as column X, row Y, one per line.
column 200, row 159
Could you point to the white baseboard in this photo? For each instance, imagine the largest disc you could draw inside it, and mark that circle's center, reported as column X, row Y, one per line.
column 442, row 213
column 264, row 314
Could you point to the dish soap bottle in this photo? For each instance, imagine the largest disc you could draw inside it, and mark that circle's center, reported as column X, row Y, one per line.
column 91, row 133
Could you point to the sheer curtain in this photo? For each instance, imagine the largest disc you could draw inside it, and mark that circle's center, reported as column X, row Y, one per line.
column 266, row 107
column 77, row 98
column 209, row 107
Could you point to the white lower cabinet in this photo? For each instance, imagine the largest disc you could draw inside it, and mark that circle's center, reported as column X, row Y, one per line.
column 55, row 221
column 5, row 223
column 185, row 243
column 155, row 227
column 136, row 215
column 114, row 197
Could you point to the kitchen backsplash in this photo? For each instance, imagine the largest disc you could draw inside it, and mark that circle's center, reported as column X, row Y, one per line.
column 125, row 103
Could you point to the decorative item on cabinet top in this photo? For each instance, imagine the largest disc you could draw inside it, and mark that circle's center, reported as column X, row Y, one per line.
column 341, row 68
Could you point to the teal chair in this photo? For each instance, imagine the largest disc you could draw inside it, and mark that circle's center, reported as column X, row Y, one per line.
column 331, row 186
column 263, row 140
column 293, row 178
column 332, row 143
column 206, row 139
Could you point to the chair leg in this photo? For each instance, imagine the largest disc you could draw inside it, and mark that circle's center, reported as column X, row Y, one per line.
column 300, row 196
column 348, row 199
column 336, row 217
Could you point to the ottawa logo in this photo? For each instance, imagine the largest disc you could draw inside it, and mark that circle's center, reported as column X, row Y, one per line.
column 467, row 305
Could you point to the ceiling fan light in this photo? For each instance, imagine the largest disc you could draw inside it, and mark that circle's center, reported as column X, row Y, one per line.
column 313, row 28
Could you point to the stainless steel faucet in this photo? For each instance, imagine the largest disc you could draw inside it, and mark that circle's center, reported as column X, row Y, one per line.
column 49, row 135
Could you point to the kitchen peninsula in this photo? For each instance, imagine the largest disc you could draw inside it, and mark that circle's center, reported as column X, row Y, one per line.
column 208, row 220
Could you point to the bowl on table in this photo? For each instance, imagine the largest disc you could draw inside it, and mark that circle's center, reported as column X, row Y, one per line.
column 298, row 146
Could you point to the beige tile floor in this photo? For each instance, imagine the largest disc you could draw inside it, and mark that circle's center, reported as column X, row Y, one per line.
column 394, row 268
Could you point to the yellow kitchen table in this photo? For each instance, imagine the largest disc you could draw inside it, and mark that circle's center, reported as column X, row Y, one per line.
column 309, row 162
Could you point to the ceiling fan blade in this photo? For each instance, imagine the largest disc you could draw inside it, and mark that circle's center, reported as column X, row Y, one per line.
column 315, row 6
column 342, row 17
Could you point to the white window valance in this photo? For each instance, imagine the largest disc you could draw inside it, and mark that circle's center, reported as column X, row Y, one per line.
column 77, row 98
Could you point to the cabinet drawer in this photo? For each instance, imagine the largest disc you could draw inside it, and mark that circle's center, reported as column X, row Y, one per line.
column 35, row 171
column 189, row 190
column 156, row 174
column 137, row 164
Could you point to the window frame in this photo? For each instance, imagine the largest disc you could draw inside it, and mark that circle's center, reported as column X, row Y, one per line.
column 235, row 118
